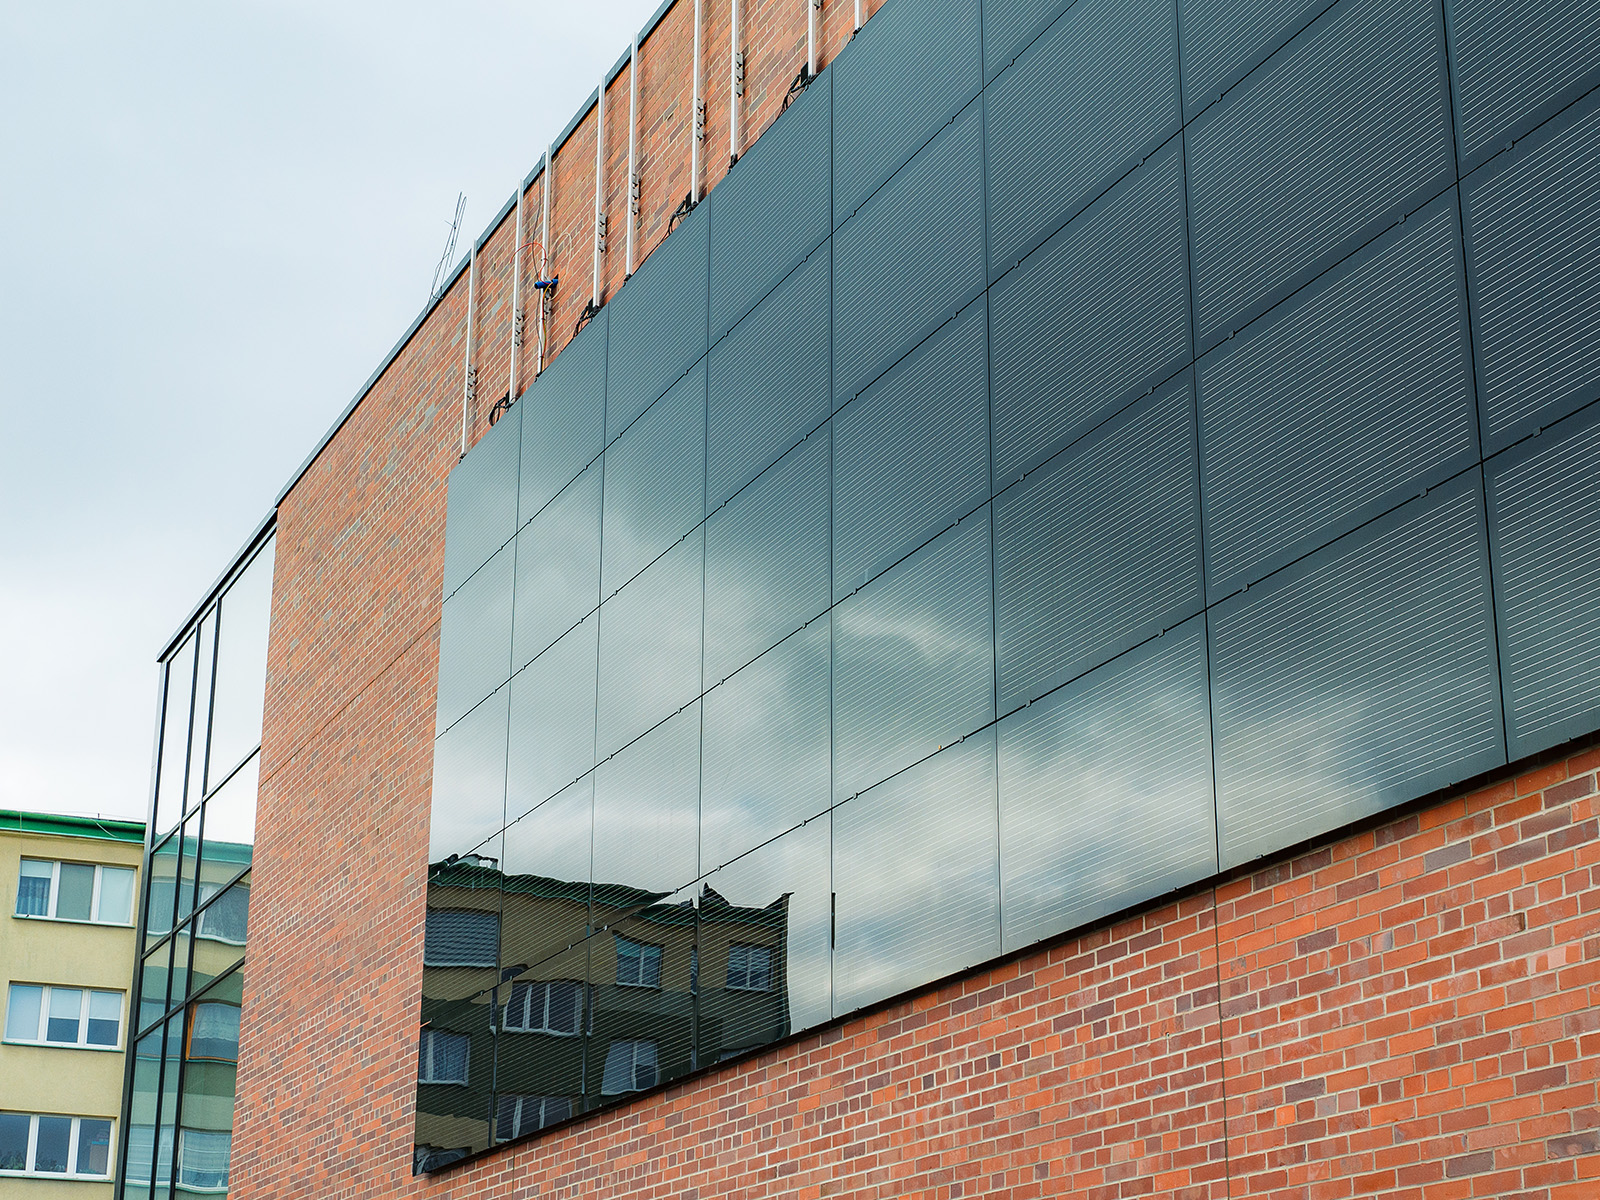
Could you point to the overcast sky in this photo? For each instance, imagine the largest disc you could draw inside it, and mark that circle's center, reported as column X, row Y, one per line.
column 217, row 218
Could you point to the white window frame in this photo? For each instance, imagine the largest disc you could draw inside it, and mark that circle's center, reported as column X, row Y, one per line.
column 28, row 1172
column 94, row 903
column 83, row 1018
column 526, row 1021
column 648, row 949
column 426, row 1058
column 747, row 986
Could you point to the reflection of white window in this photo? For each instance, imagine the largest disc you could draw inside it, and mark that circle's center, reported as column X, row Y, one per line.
column 203, row 1159
column 548, row 1006
column 227, row 918
column 442, row 1057
column 517, row 1115
column 630, row 1067
column 60, row 1016
column 638, row 964
column 461, row 938
column 64, row 891
column 214, row 1032
column 57, row 1147
column 750, row 968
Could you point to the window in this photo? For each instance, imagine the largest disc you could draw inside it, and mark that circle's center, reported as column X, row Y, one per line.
column 750, row 968
column 203, row 1159
column 630, row 1067
column 638, row 964
column 64, row 891
column 461, row 938
column 442, row 1057
column 214, row 1032
column 549, row 1006
column 62, row 1016
column 227, row 918
column 73, row 1147
column 518, row 1115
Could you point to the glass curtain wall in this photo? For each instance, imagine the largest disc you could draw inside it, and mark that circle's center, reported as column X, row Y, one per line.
column 195, row 911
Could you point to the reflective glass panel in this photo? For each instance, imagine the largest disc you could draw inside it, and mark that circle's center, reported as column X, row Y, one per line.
column 558, row 568
column 564, row 417
column 552, row 720
column 230, row 829
column 481, row 512
column 475, row 638
column 140, row 1118
column 469, row 780
column 209, row 1080
column 174, row 737
column 153, row 979
column 188, row 865
column 200, row 729
column 163, row 887
column 241, row 666
column 221, row 931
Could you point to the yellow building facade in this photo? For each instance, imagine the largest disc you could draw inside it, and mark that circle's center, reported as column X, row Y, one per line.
column 69, row 886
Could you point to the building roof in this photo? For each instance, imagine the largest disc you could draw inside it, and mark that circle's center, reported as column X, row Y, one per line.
column 104, row 828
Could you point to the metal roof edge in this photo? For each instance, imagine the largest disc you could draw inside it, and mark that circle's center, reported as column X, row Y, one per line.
column 60, row 825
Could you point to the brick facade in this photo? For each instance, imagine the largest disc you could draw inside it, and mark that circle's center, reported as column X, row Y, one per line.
column 1410, row 1009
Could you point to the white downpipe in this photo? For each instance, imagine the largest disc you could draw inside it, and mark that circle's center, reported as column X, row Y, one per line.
column 516, row 301
column 735, row 85
column 467, row 379
column 599, row 185
column 858, row 14
column 813, row 8
column 544, row 249
column 633, row 154
column 699, row 114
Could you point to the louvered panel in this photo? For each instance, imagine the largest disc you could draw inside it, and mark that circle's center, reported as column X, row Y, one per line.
column 552, row 720
column 475, row 638
column 1358, row 679
column 1224, row 40
column 558, row 568
column 1009, row 26
column 481, row 507
column 563, row 418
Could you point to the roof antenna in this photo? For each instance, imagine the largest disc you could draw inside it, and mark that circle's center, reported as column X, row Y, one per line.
column 441, row 273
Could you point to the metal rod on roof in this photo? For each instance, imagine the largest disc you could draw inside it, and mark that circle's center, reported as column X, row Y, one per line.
column 735, row 85
column 468, row 373
column 699, row 115
column 633, row 154
column 599, row 186
column 544, row 249
column 814, row 7
column 516, row 301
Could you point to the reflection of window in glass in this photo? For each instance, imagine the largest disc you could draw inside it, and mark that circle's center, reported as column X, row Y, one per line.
column 547, row 1006
column 638, row 964
column 63, row 1016
column 65, row 891
column 203, row 1158
column 227, row 919
column 214, row 1032
column 750, row 968
column 442, row 1057
column 73, row 1147
column 630, row 1067
column 517, row 1115
column 461, row 938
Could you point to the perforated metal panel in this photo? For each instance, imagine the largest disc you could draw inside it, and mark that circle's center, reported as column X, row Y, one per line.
column 1224, row 40
column 1359, row 678
column 1533, row 249
column 1544, row 506
column 1099, row 549
column 481, row 509
column 1080, row 108
column 1105, row 790
column 1094, row 318
column 911, row 453
column 910, row 258
column 909, row 70
column 1334, row 138
column 1009, row 26
column 475, row 638
column 564, row 428
column 1340, row 403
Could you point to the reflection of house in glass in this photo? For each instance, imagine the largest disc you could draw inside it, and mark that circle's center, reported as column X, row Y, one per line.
column 529, row 1018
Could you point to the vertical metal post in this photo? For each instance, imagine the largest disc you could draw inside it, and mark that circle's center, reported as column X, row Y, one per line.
column 468, row 374
column 516, row 301
column 858, row 14
column 735, row 85
column 699, row 114
column 633, row 154
column 544, row 250
column 599, row 186
column 813, row 8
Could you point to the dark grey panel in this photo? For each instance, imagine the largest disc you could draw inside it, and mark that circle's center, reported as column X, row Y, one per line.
column 1083, row 105
column 469, row 781
column 650, row 646
column 475, row 638
column 768, row 381
column 1344, row 130
column 913, row 659
column 911, row 453
column 1224, row 40
column 770, row 909
column 1010, row 25
column 1544, row 511
column 1095, row 317
column 552, row 720
column 558, row 568
column 564, row 417
column 1105, row 790
column 1338, row 404
column 647, row 816
column 912, row 68
column 655, row 481
column 658, row 322
column 910, row 258
column 774, row 207
column 1100, row 549
column 1533, row 251
column 1514, row 63
column 916, row 869
column 767, row 753
column 767, row 559
column 1359, row 678
column 481, row 510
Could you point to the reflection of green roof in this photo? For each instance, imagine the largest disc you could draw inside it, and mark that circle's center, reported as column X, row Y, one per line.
column 12, row 821
column 231, row 852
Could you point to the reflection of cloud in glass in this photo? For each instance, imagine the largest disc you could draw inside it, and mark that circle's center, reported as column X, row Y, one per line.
column 558, row 567
column 469, row 780
column 474, row 639
column 552, row 720
column 647, row 806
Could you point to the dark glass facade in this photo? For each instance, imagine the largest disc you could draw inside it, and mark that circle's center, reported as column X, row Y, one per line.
column 1079, row 449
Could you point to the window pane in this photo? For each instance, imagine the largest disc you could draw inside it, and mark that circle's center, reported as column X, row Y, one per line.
column 66, row 1012
column 241, row 666
column 75, row 892
column 13, row 1142
column 174, row 738
column 116, row 895
column 94, row 1147
column 50, row 1150
column 202, row 710
column 215, row 1034
column 231, row 824
column 105, row 1018
column 227, row 918
column 163, row 885
column 33, row 889
column 203, row 1158
column 22, row 1012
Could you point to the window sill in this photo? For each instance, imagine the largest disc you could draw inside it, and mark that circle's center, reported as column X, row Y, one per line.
column 68, row 921
column 642, row 987
column 560, row 1033
column 752, row 991
column 59, row 1046
column 57, row 1175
